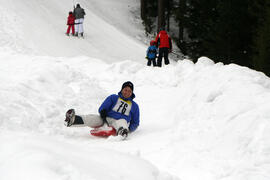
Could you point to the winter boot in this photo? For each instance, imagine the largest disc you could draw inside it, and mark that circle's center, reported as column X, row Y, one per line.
column 122, row 132
column 82, row 34
column 76, row 34
column 70, row 117
column 67, row 34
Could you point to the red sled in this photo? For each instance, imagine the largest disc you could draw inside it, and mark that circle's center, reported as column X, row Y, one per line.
column 103, row 131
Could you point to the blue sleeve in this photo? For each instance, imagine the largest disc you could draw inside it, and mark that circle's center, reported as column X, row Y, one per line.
column 107, row 103
column 135, row 119
column 147, row 52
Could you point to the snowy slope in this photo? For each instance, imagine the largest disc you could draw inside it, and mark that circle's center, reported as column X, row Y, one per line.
column 202, row 121
column 38, row 26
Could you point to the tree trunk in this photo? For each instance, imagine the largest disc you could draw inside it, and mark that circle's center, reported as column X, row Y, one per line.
column 161, row 14
column 182, row 9
column 143, row 9
column 169, row 4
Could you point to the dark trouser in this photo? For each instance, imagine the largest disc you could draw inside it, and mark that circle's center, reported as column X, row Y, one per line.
column 153, row 60
column 163, row 52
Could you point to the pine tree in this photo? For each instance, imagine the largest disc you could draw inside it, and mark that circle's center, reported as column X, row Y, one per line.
column 148, row 14
column 261, row 59
column 179, row 12
column 200, row 20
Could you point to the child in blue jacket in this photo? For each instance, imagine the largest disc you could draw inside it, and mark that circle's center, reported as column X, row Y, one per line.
column 117, row 110
column 151, row 53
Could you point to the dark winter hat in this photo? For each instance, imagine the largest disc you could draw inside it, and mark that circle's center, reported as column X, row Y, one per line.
column 70, row 12
column 129, row 84
column 78, row 6
column 162, row 28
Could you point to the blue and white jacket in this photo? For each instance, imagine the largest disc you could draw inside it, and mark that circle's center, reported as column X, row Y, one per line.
column 118, row 107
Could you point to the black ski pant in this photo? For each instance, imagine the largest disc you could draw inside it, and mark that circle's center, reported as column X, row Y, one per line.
column 163, row 52
column 153, row 60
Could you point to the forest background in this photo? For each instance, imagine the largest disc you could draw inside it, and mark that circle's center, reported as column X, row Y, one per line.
column 228, row 31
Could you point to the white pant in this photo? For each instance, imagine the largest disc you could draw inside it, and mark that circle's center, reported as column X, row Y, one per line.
column 79, row 25
column 93, row 120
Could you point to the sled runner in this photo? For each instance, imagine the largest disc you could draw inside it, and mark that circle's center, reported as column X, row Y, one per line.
column 103, row 131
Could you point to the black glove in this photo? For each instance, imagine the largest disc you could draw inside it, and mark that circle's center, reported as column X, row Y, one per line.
column 122, row 132
column 103, row 114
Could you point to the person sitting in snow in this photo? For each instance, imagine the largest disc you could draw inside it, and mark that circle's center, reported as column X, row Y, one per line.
column 118, row 111
column 164, row 43
column 70, row 23
column 79, row 18
column 151, row 53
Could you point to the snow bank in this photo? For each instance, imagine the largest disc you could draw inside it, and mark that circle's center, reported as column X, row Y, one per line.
column 205, row 118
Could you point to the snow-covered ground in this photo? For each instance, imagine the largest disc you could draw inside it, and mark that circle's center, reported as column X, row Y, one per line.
column 202, row 121
column 38, row 27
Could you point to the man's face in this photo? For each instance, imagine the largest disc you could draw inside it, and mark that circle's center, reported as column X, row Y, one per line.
column 126, row 92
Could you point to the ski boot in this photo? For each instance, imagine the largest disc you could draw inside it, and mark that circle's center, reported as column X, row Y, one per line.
column 76, row 34
column 82, row 34
column 122, row 132
column 70, row 117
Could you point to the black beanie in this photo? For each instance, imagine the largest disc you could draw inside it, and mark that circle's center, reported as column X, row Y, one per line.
column 129, row 84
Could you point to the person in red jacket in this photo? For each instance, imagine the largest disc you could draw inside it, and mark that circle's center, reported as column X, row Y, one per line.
column 70, row 23
column 164, row 43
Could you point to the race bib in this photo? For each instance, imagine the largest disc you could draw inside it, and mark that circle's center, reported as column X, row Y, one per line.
column 122, row 106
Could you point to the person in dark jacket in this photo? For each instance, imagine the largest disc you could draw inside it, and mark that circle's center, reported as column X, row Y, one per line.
column 79, row 18
column 70, row 23
column 164, row 43
column 118, row 110
column 151, row 54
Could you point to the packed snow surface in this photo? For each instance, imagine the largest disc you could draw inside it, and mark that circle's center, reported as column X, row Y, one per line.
column 204, row 121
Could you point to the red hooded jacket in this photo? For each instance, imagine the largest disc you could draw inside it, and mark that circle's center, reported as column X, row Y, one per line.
column 71, row 19
column 163, row 40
